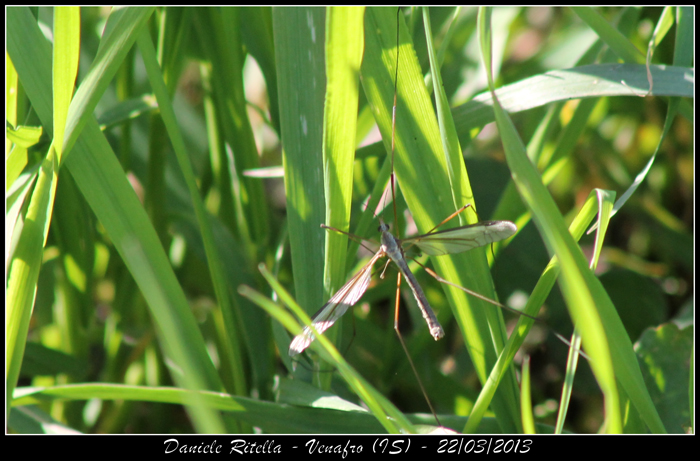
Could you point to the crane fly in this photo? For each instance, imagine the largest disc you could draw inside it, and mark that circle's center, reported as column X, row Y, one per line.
column 437, row 243
column 433, row 243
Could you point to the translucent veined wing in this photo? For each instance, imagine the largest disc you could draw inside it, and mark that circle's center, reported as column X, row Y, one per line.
column 347, row 296
column 462, row 238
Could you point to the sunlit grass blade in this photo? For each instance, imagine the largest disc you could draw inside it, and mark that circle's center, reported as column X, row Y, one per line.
column 344, row 44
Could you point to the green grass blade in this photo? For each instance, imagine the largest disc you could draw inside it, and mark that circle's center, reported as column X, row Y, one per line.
column 301, row 117
column 122, row 29
column 66, row 52
column 344, row 45
column 271, row 417
column 610, row 35
column 448, row 132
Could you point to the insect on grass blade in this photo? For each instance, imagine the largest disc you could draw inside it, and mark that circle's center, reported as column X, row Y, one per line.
column 434, row 243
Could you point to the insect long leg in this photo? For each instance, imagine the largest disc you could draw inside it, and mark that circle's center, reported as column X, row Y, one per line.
column 405, row 349
column 474, row 293
column 450, row 217
column 496, row 303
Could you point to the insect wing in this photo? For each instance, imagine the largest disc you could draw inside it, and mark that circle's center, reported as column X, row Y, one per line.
column 463, row 238
column 347, row 296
